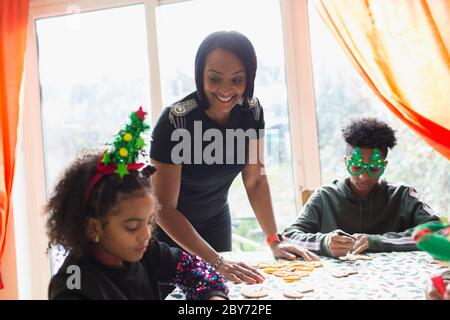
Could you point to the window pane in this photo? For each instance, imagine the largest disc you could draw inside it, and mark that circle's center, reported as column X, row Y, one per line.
column 342, row 95
column 178, row 46
column 93, row 73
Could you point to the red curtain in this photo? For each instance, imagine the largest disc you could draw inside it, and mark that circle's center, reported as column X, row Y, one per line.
column 13, row 29
column 401, row 48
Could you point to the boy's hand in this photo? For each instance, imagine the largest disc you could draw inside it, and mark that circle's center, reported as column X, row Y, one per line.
column 339, row 245
column 361, row 244
column 291, row 251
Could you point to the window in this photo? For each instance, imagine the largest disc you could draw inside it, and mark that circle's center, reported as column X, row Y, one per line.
column 93, row 74
column 341, row 95
column 181, row 28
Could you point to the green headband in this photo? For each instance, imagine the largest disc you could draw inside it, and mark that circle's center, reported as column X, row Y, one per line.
column 356, row 165
column 122, row 159
column 128, row 144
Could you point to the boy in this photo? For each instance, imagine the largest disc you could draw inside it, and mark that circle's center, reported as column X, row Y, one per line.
column 376, row 215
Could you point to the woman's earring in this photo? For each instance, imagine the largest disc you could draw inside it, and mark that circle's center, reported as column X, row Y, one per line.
column 96, row 238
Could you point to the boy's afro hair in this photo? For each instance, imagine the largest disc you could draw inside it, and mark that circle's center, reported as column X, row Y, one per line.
column 369, row 133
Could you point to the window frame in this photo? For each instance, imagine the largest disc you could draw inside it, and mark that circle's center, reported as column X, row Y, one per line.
column 300, row 89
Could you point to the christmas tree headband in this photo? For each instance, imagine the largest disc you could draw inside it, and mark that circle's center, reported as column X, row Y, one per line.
column 127, row 146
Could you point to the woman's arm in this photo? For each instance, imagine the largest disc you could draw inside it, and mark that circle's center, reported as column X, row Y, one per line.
column 166, row 186
column 258, row 192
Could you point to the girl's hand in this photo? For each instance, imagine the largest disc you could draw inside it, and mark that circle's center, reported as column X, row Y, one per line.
column 291, row 251
column 239, row 271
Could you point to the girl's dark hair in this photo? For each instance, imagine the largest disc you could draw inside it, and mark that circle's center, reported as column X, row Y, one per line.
column 67, row 213
column 369, row 133
column 234, row 42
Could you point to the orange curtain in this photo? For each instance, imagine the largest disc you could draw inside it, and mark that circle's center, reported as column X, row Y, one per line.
column 401, row 48
column 13, row 29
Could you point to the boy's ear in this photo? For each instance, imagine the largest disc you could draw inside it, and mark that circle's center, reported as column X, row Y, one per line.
column 93, row 228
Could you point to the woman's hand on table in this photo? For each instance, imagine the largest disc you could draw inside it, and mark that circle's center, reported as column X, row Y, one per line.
column 291, row 251
column 238, row 272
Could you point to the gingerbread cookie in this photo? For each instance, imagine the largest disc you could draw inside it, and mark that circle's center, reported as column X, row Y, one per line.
column 316, row 264
column 270, row 270
column 279, row 264
column 282, row 273
column 301, row 273
column 351, row 272
column 339, row 273
column 304, row 268
column 254, row 291
column 353, row 257
column 293, row 294
column 292, row 278
column 298, row 263
column 304, row 288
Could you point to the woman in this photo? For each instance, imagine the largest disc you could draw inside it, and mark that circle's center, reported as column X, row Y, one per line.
column 197, row 161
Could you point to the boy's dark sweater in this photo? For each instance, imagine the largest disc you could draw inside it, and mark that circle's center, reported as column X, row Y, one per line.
column 388, row 216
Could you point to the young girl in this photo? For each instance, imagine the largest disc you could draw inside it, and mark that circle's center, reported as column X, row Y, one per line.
column 102, row 211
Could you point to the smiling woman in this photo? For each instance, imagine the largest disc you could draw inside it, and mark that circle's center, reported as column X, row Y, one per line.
column 194, row 212
column 264, row 28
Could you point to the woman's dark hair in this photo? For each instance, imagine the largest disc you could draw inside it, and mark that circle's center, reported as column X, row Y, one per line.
column 234, row 42
column 369, row 133
column 66, row 210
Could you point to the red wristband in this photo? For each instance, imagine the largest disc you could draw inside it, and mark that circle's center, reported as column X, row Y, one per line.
column 276, row 237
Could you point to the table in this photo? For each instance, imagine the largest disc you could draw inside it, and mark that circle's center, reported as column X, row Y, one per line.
column 388, row 276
